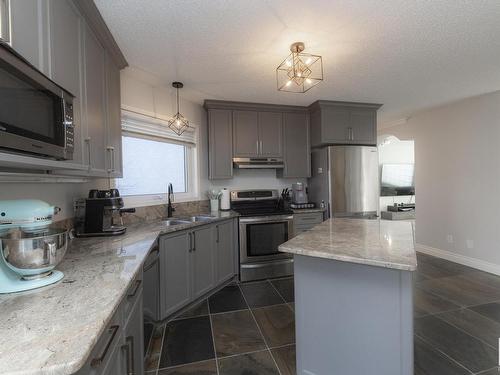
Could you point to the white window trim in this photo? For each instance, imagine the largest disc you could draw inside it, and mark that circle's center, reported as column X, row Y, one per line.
column 192, row 176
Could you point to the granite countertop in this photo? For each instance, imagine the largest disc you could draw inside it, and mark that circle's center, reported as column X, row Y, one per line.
column 52, row 330
column 378, row 243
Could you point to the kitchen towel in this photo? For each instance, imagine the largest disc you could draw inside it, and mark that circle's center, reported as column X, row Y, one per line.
column 224, row 200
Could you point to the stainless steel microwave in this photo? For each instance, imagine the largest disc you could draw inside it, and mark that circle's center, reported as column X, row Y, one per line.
column 36, row 114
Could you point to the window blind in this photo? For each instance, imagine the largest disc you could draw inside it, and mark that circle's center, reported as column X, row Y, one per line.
column 137, row 124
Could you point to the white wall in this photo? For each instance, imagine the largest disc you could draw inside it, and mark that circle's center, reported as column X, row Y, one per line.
column 143, row 93
column 457, row 160
column 392, row 150
column 60, row 195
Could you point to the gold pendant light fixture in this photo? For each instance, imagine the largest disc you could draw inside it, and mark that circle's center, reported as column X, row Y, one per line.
column 300, row 71
column 178, row 123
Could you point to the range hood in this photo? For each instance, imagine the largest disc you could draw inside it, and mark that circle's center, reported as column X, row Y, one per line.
column 258, row 163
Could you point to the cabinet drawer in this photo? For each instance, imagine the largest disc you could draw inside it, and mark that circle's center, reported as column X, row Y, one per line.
column 133, row 294
column 308, row 219
column 104, row 352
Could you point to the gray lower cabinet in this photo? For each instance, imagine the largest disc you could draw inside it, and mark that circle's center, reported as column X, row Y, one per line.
column 194, row 262
column 202, row 260
column 120, row 349
column 175, row 273
column 225, row 252
column 297, row 151
column 343, row 123
column 305, row 221
column 134, row 341
column 220, row 144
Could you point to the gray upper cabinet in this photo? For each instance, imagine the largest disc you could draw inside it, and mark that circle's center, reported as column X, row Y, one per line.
column 65, row 33
column 175, row 274
column 363, row 126
column 224, row 250
column 95, row 103
column 257, row 134
column 70, row 43
column 246, row 134
column 343, row 123
column 270, row 134
column 220, row 144
column 202, row 261
column 114, row 124
column 28, row 35
column 297, row 152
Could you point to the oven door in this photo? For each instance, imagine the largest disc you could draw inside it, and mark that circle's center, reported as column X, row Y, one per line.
column 32, row 109
column 260, row 237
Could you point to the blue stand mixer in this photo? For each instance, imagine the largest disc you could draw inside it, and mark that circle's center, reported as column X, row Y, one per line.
column 29, row 249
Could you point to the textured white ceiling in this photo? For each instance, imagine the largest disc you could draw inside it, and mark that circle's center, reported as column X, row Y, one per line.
column 407, row 54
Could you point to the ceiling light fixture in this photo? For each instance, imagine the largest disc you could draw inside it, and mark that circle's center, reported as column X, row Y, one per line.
column 300, row 71
column 178, row 123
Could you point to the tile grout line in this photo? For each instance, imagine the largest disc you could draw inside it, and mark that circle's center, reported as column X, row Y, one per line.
column 442, row 353
column 260, row 331
column 213, row 337
column 467, row 333
column 283, row 298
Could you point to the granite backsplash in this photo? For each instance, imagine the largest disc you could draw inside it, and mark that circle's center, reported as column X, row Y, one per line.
column 149, row 213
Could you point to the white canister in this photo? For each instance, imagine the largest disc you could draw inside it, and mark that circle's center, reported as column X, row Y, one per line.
column 225, row 203
column 214, row 205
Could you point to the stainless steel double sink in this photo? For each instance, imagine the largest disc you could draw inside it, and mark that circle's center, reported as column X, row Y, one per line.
column 189, row 220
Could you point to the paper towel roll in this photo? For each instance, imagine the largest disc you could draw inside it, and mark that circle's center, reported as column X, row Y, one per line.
column 225, row 204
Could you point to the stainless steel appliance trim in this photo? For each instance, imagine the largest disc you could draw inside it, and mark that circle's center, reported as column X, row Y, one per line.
column 19, row 143
column 244, row 221
column 289, row 259
column 257, row 163
column 235, row 198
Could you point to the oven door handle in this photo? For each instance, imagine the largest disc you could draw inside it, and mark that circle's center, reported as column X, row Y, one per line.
column 266, row 219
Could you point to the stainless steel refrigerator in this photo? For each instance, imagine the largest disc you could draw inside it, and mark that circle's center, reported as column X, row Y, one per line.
column 346, row 178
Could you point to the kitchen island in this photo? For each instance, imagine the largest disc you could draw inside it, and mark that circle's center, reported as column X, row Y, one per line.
column 353, row 297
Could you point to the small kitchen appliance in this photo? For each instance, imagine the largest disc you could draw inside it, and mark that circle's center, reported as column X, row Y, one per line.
column 264, row 225
column 95, row 215
column 29, row 249
column 299, row 194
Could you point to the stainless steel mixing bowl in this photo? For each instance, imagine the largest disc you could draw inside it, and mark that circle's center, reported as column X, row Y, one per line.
column 33, row 254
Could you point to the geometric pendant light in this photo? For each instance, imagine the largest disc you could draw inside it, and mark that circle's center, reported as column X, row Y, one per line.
column 178, row 123
column 300, row 71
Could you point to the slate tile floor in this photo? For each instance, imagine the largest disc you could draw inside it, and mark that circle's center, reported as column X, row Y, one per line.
column 248, row 329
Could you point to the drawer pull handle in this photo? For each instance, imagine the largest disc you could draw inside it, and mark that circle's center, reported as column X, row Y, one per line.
column 137, row 284
column 129, row 349
column 96, row 362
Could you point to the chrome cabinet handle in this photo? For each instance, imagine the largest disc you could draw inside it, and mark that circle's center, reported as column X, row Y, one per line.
column 4, row 21
column 258, row 150
column 194, row 241
column 137, row 284
column 111, row 150
column 96, row 362
column 352, row 134
column 129, row 348
column 217, row 240
column 87, row 142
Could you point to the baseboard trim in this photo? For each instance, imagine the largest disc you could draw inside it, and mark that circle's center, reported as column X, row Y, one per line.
column 461, row 259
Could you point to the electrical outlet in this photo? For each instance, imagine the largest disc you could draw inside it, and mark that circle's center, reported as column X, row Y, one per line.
column 449, row 238
column 470, row 244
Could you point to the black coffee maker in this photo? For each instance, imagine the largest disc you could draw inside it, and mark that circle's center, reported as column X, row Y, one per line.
column 96, row 215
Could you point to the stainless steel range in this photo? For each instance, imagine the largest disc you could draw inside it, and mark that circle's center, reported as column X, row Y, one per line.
column 264, row 225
